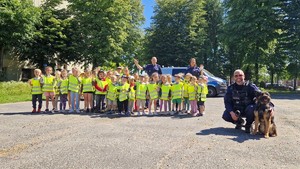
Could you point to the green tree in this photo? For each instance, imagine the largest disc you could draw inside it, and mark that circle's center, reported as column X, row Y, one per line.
column 211, row 48
column 108, row 29
column 177, row 31
column 250, row 28
column 50, row 44
column 17, row 24
column 291, row 37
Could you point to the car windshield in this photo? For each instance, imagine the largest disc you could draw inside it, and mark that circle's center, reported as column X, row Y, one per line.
column 207, row 73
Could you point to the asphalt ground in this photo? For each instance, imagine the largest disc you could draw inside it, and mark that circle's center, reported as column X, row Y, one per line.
column 110, row 141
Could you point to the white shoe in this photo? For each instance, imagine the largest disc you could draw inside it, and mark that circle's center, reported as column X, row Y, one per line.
column 138, row 113
column 150, row 114
column 144, row 113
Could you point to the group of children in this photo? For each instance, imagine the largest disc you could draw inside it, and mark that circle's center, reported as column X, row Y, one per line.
column 113, row 91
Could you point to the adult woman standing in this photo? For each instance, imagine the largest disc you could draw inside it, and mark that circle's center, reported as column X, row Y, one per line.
column 193, row 69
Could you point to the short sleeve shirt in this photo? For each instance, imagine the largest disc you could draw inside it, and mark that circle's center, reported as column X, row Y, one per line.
column 150, row 69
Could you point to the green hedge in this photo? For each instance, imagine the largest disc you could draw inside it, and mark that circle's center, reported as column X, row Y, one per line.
column 13, row 91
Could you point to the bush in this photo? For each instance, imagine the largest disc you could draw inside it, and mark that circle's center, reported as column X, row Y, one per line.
column 13, row 91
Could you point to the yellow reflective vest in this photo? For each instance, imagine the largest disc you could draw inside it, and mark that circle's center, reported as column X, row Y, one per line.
column 185, row 89
column 87, row 85
column 112, row 91
column 192, row 90
column 101, row 84
column 74, row 84
column 202, row 92
column 64, row 83
column 152, row 89
column 141, row 90
column 123, row 94
column 165, row 90
column 49, row 83
column 36, row 86
column 177, row 89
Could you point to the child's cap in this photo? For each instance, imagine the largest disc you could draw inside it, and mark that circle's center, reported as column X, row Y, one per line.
column 117, row 74
column 120, row 67
column 131, row 77
column 124, row 76
column 188, row 75
column 177, row 75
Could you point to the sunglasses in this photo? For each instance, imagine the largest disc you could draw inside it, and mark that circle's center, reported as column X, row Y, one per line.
column 238, row 75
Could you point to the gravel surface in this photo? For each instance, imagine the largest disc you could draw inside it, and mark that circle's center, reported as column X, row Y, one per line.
column 100, row 141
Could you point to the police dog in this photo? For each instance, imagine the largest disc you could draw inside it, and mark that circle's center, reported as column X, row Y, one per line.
column 264, row 122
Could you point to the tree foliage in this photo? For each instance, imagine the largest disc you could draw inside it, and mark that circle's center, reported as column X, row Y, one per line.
column 177, row 31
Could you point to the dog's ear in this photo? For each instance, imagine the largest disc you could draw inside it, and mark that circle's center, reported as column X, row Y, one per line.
column 258, row 93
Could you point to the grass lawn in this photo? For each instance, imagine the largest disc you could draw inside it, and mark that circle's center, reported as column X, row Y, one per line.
column 12, row 91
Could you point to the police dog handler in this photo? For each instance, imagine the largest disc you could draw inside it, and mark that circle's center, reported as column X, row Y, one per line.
column 240, row 96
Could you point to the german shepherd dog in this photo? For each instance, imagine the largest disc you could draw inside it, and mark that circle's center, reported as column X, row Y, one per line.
column 264, row 122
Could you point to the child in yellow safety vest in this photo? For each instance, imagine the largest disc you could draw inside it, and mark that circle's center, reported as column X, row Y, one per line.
column 56, row 89
column 192, row 89
column 63, row 88
column 74, row 84
column 153, row 88
column 141, row 89
column 165, row 94
column 112, row 94
column 202, row 92
column 123, row 90
column 131, row 94
column 101, row 90
column 48, row 84
column 88, row 90
column 186, row 102
column 177, row 94
column 169, row 79
column 36, row 90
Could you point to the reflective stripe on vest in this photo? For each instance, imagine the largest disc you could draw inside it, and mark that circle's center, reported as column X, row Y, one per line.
column 202, row 92
column 131, row 94
column 176, row 91
column 112, row 92
column 123, row 92
column 101, row 84
column 152, row 88
column 185, row 89
column 48, row 84
column 192, row 92
column 73, row 84
column 165, row 89
column 87, row 85
column 36, row 87
column 141, row 91
column 64, row 86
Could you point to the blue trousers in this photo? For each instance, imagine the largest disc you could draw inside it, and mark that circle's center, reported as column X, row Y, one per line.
column 74, row 96
column 248, row 113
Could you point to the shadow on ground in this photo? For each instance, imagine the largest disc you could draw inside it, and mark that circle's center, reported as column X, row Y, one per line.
column 239, row 135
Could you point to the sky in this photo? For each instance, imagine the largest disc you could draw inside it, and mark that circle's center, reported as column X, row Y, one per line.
column 148, row 11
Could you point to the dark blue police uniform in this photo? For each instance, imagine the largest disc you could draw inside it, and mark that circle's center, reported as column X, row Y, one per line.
column 195, row 71
column 150, row 69
column 240, row 97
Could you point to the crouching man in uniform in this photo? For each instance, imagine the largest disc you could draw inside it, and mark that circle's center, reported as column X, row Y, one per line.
column 239, row 101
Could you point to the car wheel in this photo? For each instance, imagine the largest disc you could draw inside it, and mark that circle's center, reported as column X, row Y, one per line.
column 211, row 92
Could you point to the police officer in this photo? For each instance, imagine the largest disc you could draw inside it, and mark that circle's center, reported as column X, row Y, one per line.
column 150, row 68
column 194, row 69
column 239, row 101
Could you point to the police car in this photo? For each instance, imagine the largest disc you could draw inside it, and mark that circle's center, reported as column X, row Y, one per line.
column 215, row 84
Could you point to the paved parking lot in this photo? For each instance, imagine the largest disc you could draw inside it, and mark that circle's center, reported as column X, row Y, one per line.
column 100, row 141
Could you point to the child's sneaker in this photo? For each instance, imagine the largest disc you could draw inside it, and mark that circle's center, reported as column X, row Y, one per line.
column 155, row 114
column 71, row 111
column 144, row 114
column 39, row 110
column 150, row 114
column 33, row 111
column 138, row 113
column 77, row 111
column 46, row 110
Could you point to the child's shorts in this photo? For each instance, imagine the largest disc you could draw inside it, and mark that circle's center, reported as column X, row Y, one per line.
column 200, row 103
column 111, row 102
column 49, row 94
column 176, row 101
